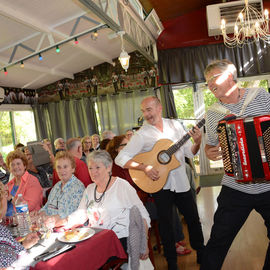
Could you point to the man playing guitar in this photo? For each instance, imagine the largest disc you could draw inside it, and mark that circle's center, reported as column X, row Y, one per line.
column 177, row 188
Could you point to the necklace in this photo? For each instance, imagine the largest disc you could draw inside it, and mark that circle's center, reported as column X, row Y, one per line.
column 103, row 193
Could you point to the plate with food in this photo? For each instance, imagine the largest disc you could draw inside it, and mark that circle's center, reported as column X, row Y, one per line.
column 76, row 235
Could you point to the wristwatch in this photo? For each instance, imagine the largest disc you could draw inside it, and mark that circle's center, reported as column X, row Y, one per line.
column 12, row 197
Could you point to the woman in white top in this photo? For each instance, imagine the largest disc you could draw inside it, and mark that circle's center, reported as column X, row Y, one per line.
column 106, row 202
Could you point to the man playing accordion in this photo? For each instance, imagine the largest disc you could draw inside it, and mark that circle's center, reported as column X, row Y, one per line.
column 235, row 201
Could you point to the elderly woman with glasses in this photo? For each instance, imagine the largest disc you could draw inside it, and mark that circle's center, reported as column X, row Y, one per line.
column 66, row 194
column 22, row 183
column 86, row 146
column 106, row 202
column 12, row 253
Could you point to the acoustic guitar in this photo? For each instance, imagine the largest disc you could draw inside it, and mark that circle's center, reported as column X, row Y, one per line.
column 162, row 158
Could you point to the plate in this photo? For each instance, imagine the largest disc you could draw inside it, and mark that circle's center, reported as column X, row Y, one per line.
column 76, row 235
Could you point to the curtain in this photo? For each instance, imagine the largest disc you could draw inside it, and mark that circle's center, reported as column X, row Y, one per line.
column 167, row 99
column 119, row 112
column 184, row 65
column 66, row 119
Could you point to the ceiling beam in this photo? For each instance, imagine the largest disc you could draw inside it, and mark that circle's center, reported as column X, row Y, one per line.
column 39, row 68
column 34, row 24
column 115, row 27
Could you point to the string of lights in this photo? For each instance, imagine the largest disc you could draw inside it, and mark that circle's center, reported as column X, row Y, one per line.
column 56, row 46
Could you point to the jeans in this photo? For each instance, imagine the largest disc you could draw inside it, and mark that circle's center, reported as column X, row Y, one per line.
column 186, row 205
column 233, row 210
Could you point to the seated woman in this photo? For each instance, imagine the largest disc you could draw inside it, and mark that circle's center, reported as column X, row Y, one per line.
column 106, row 202
column 66, row 194
column 12, row 253
column 38, row 172
column 86, row 146
column 95, row 142
column 22, row 183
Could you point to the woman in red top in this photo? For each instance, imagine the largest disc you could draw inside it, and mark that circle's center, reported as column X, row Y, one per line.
column 23, row 182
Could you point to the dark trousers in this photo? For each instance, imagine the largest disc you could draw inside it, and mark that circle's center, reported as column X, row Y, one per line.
column 233, row 210
column 186, row 205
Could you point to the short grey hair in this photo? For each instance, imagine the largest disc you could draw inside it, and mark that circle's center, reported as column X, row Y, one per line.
column 100, row 156
column 73, row 143
column 56, row 141
column 107, row 134
column 223, row 65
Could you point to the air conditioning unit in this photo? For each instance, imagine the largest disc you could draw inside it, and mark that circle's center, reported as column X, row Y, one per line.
column 228, row 11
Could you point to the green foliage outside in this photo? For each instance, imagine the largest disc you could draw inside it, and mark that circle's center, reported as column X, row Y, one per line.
column 183, row 99
column 209, row 98
column 24, row 129
column 25, row 126
column 6, row 133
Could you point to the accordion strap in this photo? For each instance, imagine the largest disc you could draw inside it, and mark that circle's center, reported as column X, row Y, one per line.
column 217, row 107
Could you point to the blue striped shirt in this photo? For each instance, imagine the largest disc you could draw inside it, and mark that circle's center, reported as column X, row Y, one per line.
column 258, row 106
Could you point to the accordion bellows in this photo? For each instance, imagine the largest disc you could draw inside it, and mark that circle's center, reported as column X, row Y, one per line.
column 245, row 145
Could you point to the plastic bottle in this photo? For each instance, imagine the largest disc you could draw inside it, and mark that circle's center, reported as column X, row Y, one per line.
column 23, row 217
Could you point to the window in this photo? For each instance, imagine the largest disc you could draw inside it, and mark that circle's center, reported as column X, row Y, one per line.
column 183, row 98
column 16, row 126
column 184, row 103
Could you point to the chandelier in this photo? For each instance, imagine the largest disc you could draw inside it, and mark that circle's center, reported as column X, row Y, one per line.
column 250, row 26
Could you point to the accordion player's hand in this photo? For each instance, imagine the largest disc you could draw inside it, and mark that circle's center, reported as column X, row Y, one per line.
column 213, row 152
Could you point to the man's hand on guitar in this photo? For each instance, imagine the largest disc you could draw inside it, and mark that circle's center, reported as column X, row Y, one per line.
column 151, row 172
column 196, row 134
column 213, row 152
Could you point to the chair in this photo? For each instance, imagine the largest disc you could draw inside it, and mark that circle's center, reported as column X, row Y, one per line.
column 116, row 264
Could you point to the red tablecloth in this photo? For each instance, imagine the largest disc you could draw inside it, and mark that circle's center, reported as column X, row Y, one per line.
column 89, row 254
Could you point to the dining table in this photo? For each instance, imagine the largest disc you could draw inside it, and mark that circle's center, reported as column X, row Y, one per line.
column 91, row 253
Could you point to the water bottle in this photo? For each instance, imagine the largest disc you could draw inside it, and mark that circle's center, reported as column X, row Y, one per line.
column 23, row 217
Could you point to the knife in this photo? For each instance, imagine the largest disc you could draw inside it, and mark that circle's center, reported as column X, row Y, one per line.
column 50, row 254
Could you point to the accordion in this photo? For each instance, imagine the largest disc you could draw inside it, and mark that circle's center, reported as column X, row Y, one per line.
column 245, row 145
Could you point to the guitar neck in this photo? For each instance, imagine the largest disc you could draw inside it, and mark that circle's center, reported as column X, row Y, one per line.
column 171, row 150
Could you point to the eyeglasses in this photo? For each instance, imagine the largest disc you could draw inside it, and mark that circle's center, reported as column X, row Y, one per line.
column 212, row 78
column 123, row 144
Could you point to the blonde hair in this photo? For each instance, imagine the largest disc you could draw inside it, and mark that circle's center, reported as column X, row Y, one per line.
column 84, row 139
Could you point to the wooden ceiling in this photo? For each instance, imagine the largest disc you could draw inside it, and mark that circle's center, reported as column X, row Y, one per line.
column 169, row 9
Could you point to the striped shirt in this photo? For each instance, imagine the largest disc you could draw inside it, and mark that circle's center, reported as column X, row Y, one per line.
column 258, row 106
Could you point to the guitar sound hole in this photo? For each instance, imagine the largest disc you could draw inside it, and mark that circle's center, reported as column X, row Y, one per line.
column 164, row 157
